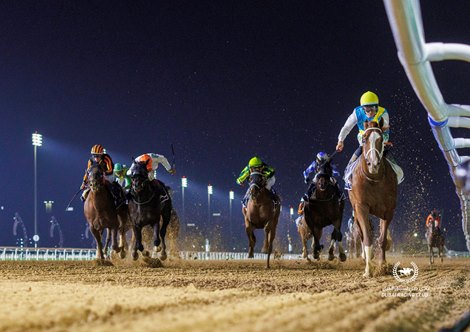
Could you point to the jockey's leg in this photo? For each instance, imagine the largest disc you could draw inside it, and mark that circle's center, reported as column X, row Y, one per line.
column 305, row 198
column 354, row 157
column 246, row 197
column 85, row 194
column 269, row 184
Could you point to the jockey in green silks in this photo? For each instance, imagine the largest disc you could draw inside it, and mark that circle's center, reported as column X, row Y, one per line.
column 256, row 164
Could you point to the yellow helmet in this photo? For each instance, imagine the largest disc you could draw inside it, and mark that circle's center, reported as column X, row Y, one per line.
column 255, row 162
column 369, row 98
column 97, row 149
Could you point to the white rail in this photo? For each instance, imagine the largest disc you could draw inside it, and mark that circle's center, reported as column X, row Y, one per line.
column 44, row 254
column 416, row 56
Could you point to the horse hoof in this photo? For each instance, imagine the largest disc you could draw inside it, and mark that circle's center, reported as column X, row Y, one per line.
column 331, row 257
column 367, row 275
column 342, row 257
column 251, row 256
column 146, row 253
column 135, row 255
column 122, row 254
column 163, row 256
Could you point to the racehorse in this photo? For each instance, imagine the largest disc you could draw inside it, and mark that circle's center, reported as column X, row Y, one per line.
column 305, row 235
column 260, row 212
column 100, row 211
column 374, row 191
column 435, row 239
column 145, row 208
column 354, row 243
column 325, row 208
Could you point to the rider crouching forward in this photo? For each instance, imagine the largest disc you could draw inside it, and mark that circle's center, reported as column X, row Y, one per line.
column 257, row 165
column 153, row 160
column 322, row 160
column 98, row 156
column 369, row 110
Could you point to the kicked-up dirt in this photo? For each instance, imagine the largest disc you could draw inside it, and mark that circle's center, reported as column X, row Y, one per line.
column 229, row 296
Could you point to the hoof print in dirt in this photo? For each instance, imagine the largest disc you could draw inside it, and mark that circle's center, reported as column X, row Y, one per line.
column 151, row 262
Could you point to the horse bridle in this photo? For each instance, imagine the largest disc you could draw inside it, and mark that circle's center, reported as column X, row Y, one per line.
column 374, row 149
column 99, row 182
column 254, row 184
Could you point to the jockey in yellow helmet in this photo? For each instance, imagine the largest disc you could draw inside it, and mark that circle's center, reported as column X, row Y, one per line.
column 368, row 110
column 268, row 172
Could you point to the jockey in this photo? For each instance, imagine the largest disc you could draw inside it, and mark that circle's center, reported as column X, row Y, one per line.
column 256, row 164
column 369, row 110
column 121, row 177
column 153, row 160
column 322, row 159
column 434, row 216
column 98, row 156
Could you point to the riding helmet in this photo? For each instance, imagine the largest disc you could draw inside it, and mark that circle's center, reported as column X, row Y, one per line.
column 369, row 99
column 97, row 149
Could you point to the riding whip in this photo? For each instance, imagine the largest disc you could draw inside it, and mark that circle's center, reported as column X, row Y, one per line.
column 68, row 205
column 173, row 152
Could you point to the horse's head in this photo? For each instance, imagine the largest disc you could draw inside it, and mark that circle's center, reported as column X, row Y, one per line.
column 257, row 183
column 95, row 177
column 373, row 146
column 139, row 176
column 323, row 176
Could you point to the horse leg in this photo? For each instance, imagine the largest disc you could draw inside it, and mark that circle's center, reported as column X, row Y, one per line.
column 271, row 234
column 303, row 237
column 99, row 244
column 114, row 241
column 339, row 239
column 251, row 241
column 317, row 232
column 138, row 241
column 265, row 248
column 384, row 223
column 166, row 216
column 362, row 217
column 331, row 249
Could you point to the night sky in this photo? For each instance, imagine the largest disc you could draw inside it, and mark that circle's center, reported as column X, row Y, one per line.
column 222, row 81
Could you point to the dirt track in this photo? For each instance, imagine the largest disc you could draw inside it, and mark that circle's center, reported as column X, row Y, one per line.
column 226, row 296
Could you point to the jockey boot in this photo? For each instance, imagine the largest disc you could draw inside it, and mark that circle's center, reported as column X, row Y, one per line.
column 275, row 197
column 245, row 200
column 300, row 210
column 85, row 194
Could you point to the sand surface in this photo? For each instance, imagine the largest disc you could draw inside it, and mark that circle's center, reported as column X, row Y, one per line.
column 227, row 296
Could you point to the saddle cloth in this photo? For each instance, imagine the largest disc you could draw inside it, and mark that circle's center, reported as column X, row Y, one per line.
column 397, row 169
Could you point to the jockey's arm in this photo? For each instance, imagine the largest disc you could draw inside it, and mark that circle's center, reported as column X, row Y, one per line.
column 386, row 126
column 309, row 170
column 244, row 174
column 109, row 165
column 160, row 159
column 347, row 127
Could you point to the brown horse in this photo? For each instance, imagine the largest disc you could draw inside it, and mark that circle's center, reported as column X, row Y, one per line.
column 146, row 207
column 435, row 239
column 100, row 211
column 325, row 208
column 305, row 235
column 260, row 212
column 374, row 191
column 353, row 241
